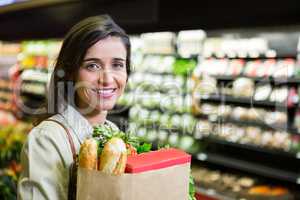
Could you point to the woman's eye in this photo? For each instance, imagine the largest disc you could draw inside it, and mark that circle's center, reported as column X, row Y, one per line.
column 92, row 67
column 118, row 65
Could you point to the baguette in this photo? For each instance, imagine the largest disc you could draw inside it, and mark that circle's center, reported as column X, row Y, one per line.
column 88, row 154
column 113, row 157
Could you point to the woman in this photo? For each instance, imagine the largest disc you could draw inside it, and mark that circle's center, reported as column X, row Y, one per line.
column 90, row 74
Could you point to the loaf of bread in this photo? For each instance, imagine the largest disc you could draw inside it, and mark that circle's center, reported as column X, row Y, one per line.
column 113, row 157
column 88, row 154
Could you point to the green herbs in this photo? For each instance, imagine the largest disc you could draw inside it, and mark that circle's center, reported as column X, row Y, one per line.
column 103, row 133
column 145, row 147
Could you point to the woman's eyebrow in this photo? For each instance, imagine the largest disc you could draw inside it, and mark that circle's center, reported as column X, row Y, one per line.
column 92, row 59
column 119, row 59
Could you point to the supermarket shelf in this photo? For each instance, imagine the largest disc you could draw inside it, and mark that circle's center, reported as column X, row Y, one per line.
column 276, row 127
column 263, row 80
column 34, row 96
column 261, row 56
column 247, row 166
column 38, row 82
column 245, row 102
column 6, row 89
column 254, row 148
column 176, row 55
column 156, row 73
column 212, row 193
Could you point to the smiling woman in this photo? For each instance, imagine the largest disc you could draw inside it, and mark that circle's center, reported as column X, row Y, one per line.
column 102, row 76
column 90, row 74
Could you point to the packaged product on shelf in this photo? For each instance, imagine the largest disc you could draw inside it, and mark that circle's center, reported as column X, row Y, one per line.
column 279, row 94
column 208, row 109
column 188, row 144
column 144, row 116
column 268, row 192
column 203, row 69
column 190, row 84
column 173, row 139
column 243, row 87
column 240, row 113
column 224, row 111
column 134, row 112
column 269, row 66
column 206, row 87
column 158, row 43
column 236, row 136
column 187, row 104
column 35, row 75
column 281, row 140
column 162, row 136
column 33, row 88
column 141, row 132
column 266, row 139
column 165, row 120
column 151, row 135
column 284, row 68
column 251, row 68
column 178, row 104
column 203, row 128
column 254, row 135
column 235, row 67
column 188, row 123
column 276, row 118
column 190, row 42
column 255, row 114
column 176, row 120
column 262, row 92
column 166, row 102
column 166, row 65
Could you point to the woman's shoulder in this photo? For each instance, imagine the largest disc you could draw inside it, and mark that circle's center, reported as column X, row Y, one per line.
column 47, row 129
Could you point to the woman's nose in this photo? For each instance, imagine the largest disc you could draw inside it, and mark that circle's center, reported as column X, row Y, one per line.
column 105, row 77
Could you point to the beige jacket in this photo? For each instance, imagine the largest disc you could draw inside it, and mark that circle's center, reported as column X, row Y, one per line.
column 46, row 156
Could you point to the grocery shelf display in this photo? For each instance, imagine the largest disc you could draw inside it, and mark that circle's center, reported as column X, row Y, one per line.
column 236, row 109
column 24, row 76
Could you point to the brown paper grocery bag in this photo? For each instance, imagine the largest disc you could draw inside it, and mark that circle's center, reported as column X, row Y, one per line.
column 171, row 183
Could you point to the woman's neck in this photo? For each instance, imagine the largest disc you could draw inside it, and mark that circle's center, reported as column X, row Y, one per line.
column 96, row 118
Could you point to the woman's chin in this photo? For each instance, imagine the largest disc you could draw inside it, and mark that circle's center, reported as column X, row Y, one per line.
column 105, row 107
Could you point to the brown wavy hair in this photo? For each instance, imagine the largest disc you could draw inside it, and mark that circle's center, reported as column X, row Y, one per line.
column 75, row 45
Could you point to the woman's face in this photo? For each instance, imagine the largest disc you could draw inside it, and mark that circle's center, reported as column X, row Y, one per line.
column 102, row 76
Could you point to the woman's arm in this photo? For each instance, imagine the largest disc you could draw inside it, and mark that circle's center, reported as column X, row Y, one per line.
column 45, row 159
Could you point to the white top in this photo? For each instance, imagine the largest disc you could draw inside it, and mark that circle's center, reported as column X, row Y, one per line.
column 46, row 156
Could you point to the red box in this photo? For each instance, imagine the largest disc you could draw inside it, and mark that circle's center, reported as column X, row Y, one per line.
column 156, row 160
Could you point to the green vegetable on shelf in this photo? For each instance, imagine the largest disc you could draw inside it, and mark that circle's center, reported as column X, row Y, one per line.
column 184, row 66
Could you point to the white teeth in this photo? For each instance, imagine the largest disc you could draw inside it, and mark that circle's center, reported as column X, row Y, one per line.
column 105, row 91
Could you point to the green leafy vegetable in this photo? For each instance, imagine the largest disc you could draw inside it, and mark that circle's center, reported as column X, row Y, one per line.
column 146, row 147
column 192, row 190
column 103, row 133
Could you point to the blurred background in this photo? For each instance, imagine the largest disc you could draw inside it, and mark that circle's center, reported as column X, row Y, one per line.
column 218, row 79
